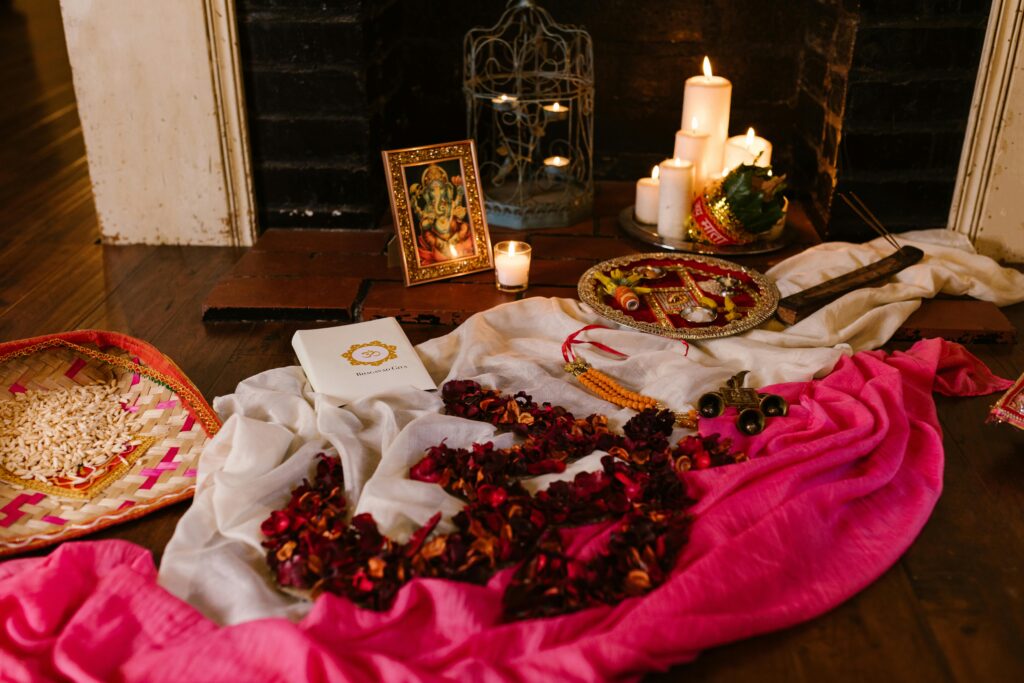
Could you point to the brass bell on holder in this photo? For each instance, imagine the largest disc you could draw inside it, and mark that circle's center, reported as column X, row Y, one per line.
column 754, row 407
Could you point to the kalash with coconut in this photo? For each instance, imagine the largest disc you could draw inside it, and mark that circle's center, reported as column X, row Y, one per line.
column 745, row 206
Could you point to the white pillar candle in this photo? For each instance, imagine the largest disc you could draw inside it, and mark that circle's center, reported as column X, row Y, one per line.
column 708, row 98
column 646, row 210
column 747, row 149
column 675, row 194
column 692, row 146
column 512, row 265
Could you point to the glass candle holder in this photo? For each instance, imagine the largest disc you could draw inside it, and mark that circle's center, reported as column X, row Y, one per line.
column 556, row 166
column 504, row 102
column 556, row 112
column 512, row 265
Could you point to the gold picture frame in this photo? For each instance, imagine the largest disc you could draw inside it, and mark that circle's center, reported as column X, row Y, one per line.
column 438, row 210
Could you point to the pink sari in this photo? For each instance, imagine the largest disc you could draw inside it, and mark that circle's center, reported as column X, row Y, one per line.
column 833, row 494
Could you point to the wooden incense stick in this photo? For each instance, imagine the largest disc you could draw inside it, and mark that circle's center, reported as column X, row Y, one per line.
column 869, row 218
column 796, row 307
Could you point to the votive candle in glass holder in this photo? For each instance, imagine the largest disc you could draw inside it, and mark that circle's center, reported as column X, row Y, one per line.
column 512, row 265
column 556, row 166
column 504, row 102
column 556, row 112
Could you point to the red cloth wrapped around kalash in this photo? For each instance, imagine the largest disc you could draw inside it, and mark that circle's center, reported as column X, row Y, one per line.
column 743, row 207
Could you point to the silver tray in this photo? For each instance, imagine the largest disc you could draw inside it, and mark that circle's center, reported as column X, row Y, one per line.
column 649, row 234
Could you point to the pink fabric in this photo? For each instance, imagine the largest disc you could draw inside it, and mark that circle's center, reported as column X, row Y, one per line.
column 834, row 494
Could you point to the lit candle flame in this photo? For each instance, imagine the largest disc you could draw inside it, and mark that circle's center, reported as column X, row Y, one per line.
column 511, row 248
column 750, row 138
column 655, row 172
column 557, row 107
column 693, row 124
column 707, row 68
column 503, row 97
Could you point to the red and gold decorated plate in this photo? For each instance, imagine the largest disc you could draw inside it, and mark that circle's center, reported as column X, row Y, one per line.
column 170, row 422
column 685, row 296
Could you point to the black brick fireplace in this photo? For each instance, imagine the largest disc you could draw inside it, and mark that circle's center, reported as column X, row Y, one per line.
column 867, row 95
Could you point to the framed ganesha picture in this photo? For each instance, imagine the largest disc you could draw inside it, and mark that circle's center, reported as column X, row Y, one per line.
column 438, row 211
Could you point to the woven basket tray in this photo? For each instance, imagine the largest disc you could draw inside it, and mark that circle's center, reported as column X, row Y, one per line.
column 176, row 423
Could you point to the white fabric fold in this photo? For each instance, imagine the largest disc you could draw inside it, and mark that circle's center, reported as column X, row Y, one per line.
column 274, row 424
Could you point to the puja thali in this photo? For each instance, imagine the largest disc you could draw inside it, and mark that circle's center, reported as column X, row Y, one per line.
column 684, row 296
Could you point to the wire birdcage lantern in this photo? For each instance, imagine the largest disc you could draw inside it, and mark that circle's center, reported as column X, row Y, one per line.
column 529, row 85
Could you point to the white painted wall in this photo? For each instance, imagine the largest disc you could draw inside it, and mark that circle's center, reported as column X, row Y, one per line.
column 159, row 101
column 988, row 204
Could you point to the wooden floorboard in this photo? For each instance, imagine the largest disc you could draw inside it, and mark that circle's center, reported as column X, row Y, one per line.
column 952, row 609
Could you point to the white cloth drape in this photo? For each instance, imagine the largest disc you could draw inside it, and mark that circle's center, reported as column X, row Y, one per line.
column 275, row 425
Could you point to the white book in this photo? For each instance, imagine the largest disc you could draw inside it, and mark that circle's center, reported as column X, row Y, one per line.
column 353, row 361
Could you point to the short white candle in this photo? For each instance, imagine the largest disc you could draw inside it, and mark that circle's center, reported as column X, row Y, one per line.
column 692, row 146
column 675, row 195
column 504, row 102
column 747, row 149
column 556, row 111
column 512, row 265
column 556, row 165
column 708, row 98
column 646, row 210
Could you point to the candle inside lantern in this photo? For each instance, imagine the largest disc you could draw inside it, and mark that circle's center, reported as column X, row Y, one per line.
column 692, row 146
column 675, row 195
column 708, row 98
column 556, row 111
column 556, row 165
column 646, row 209
column 504, row 102
column 747, row 149
column 512, row 265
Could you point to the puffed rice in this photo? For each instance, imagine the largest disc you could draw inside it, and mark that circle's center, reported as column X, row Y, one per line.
column 47, row 434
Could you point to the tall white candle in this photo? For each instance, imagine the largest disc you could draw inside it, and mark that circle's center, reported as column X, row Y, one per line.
column 646, row 210
column 512, row 265
column 747, row 149
column 708, row 98
column 692, row 146
column 675, row 195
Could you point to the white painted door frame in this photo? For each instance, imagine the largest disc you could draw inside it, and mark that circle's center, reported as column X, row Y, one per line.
column 993, row 149
column 229, row 93
column 160, row 97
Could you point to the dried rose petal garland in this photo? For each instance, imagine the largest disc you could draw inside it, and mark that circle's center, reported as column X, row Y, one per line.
column 310, row 545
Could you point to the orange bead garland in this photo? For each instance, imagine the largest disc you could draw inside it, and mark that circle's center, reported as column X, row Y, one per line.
column 607, row 388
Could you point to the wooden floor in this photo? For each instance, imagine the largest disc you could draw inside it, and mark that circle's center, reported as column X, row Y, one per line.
column 952, row 609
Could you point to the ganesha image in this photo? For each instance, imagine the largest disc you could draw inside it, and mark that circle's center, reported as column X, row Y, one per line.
column 438, row 204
